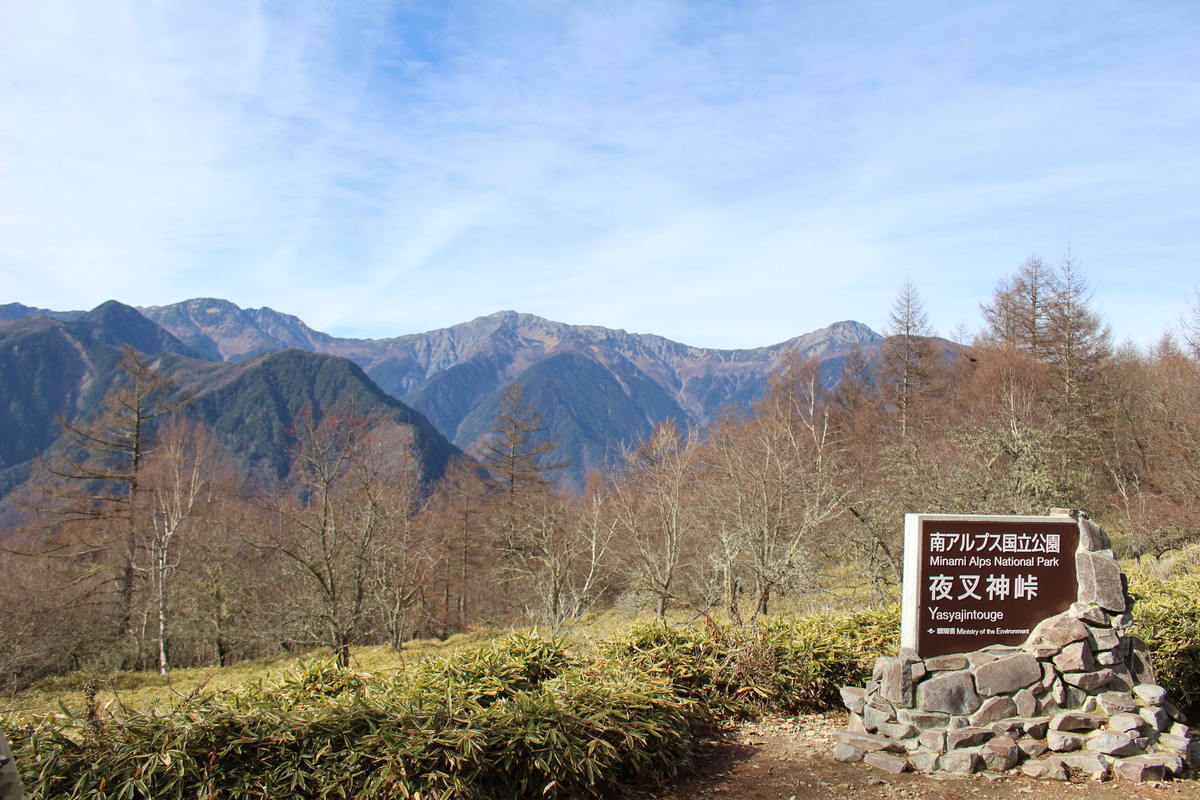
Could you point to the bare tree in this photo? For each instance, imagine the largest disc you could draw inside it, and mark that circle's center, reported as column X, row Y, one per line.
column 595, row 530
column 1153, row 447
column 1191, row 324
column 566, row 555
column 406, row 565
column 774, row 485
column 651, row 502
column 335, row 522
column 180, row 477
column 231, row 597
column 723, row 501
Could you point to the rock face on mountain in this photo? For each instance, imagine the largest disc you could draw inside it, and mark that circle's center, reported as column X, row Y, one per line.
column 222, row 331
column 595, row 387
column 698, row 381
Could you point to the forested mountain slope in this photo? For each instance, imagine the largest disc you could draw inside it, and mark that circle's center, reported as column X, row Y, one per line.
column 56, row 369
column 596, row 388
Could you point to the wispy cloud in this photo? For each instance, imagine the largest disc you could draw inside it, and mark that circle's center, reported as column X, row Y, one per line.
column 727, row 174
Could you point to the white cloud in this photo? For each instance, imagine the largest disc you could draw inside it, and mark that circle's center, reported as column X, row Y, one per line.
column 725, row 174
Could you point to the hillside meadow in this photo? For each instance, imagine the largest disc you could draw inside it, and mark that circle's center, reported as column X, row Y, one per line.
column 484, row 715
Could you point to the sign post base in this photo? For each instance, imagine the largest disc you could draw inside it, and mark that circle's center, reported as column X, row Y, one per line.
column 1074, row 692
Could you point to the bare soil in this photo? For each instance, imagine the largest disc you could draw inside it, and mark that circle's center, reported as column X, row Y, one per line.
column 790, row 758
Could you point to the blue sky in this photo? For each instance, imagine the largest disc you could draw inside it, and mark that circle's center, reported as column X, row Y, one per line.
column 726, row 174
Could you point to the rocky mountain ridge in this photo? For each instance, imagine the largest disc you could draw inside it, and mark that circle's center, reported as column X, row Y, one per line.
column 596, row 387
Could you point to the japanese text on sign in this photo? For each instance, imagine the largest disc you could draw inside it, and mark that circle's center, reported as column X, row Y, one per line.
column 994, row 542
column 998, row 587
column 972, row 581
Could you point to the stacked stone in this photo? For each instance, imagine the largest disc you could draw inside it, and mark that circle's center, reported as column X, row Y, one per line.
column 1078, row 694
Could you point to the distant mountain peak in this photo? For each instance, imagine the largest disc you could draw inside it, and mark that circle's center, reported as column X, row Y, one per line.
column 117, row 324
column 847, row 333
column 223, row 331
column 851, row 331
column 113, row 309
column 12, row 311
column 518, row 320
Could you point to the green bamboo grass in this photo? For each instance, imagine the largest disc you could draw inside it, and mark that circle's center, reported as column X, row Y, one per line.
column 520, row 716
column 1166, row 616
column 516, row 718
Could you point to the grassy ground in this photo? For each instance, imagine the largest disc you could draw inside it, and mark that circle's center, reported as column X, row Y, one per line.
column 143, row 691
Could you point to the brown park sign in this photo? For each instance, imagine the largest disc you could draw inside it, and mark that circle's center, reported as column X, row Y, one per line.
column 974, row 581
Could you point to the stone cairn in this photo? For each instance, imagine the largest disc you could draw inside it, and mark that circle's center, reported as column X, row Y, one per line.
column 1079, row 694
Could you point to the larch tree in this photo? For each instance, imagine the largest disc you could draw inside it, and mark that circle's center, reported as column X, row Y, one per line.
column 1046, row 313
column 1019, row 312
column 519, row 477
column 1079, row 343
column 97, row 477
column 466, row 549
column 906, row 363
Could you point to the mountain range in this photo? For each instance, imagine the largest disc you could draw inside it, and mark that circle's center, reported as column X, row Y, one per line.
column 251, row 370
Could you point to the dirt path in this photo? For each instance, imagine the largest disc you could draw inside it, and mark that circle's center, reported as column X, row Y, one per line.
column 790, row 759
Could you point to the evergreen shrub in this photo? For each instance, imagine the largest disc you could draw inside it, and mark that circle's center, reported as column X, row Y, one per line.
column 517, row 718
column 1166, row 617
column 781, row 665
